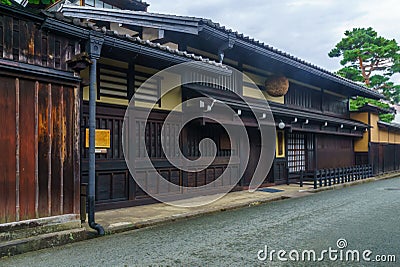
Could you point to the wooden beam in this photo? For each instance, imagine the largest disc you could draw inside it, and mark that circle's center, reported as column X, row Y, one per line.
column 17, row 151
column 36, row 149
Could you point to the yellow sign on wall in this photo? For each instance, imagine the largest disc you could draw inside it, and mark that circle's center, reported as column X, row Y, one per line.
column 102, row 139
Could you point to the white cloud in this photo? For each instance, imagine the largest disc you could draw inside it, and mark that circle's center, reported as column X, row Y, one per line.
column 308, row 29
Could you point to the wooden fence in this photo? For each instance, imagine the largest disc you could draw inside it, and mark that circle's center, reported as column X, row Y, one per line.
column 328, row 177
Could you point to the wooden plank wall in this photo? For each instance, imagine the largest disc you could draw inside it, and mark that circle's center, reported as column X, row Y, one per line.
column 23, row 41
column 329, row 147
column 38, row 141
column 39, row 132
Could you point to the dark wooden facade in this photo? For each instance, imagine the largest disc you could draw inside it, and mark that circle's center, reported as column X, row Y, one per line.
column 45, row 114
column 114, row 184
column 315, row 112
column 39, row 109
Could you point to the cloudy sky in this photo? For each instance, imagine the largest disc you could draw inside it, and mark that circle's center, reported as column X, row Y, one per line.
column 308, row 29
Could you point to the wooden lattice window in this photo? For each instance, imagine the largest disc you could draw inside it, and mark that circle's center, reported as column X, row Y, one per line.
column 296, row 152
column 153, row 138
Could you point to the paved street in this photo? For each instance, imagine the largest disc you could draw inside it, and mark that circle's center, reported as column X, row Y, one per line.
column 367, row 216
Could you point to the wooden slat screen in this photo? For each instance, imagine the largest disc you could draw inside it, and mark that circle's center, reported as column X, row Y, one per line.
column 303, row 97
column 113, row 82
column 150, row 91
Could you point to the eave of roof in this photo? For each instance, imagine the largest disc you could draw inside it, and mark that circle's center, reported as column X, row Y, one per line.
column 276, row 108
column 129, row 17
column 279, row 109
column 109, row 34
column 392, row 125
column 372, row 108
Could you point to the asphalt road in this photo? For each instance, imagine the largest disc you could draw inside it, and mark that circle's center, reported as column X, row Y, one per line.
column 366, row 216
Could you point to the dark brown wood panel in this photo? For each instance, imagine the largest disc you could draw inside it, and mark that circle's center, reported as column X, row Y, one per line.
column 27, row 149
column 7, row 37
column 255, row 150
column 334, row 151
column 7, row 145
column 25, row 42
column 67, row 153
column 57, row 147
column 43, row 148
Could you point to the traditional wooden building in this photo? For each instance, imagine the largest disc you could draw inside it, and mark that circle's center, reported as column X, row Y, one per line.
column 115, row 46
column 380, row 146
column 317, row 125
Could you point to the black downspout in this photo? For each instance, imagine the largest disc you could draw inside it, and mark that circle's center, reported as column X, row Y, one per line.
column 95, row 44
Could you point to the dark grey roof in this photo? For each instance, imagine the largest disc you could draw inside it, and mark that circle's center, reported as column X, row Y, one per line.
column 130, row 17
column 194, row 25
column 374, row 108
column 92, row 26
column 389, row 125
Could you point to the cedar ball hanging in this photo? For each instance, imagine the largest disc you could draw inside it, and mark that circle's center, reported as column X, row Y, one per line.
column 277, row 85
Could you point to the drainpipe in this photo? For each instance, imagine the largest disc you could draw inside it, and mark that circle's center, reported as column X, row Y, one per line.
column 225, row 46
column 94, row 47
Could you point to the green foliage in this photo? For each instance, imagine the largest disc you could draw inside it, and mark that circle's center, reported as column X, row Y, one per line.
column 359, row 102
column 351, row 74
column 35, row 2
column 370, row 59
column 388, row 117
column 5, row 2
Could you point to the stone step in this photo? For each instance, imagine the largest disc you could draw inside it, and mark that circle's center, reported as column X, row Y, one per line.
column 35, row 227
column 19, row 246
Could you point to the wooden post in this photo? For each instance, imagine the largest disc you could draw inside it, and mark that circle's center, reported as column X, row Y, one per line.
column 301, row 178
column 320, row 177
column 315, row 179
column 287, row 176
column 330, row 177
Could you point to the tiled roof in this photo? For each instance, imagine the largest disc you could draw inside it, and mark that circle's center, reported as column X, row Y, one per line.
column 246, row 38
column 112, row 33
column 193, row 25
